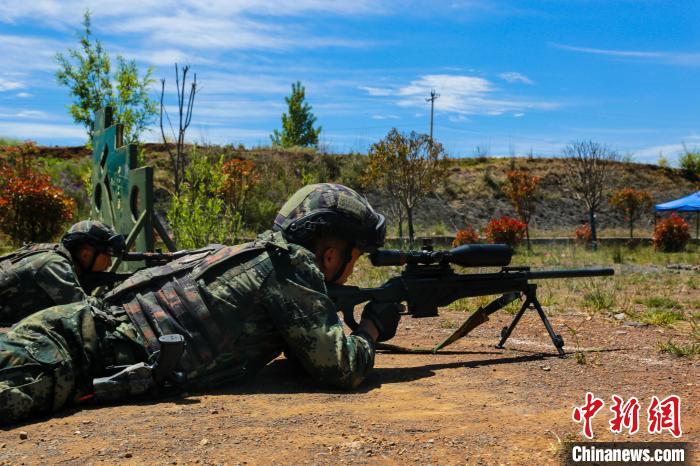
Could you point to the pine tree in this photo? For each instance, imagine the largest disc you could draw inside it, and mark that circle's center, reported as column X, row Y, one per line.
column 297, row 126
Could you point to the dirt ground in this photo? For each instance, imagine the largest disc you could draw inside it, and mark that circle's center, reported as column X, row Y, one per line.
column 474, row 404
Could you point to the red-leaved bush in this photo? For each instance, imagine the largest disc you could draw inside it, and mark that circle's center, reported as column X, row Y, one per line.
column 671, row 234
column 241, row 177
column 31, row 208
column 506, row 230
column 467, row 235
column 583, row 234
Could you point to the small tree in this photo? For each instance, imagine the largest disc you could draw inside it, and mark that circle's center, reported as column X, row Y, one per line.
column 631, row 203
column 185, row 106
column 587, row 173
column 521, row 189
column 87, row 72
column 406, row 168
column 297, row 126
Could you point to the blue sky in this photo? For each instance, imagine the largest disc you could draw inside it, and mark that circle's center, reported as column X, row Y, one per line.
column 513, row 76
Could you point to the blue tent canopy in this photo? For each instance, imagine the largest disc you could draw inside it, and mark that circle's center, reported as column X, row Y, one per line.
column 689, row 203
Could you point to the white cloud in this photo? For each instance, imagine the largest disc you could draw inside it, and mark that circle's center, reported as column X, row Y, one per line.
column 671, row 151
column 515, row 77
column 519, row 115
column 164, row 57
column 386, row 117
column 24, row 95
column 7, row 85
column 31, row 114
column 226, row 134
column 70, row 11
column 673, row 58
column 224, row 83
column 38, row 131
column 16, row 48
column 13, row 113
column 192, row 24
column 376, row 91
column 466, row 95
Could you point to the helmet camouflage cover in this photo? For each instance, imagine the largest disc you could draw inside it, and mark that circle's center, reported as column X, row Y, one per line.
column 98, row 235
column 333, row 210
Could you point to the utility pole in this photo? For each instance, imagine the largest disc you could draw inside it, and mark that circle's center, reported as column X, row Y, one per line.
column 433, row 97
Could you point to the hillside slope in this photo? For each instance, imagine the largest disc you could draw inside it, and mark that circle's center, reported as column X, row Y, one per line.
column 471, row 195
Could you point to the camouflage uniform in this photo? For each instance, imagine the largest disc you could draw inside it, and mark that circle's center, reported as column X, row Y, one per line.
column 35, row 277
column 39, row 276
column 238, row 307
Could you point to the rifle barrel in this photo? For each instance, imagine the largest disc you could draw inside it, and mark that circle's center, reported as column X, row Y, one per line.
column 570, row 273
column 137, row 256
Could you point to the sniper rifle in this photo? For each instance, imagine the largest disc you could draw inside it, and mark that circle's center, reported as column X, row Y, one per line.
column 428, row 281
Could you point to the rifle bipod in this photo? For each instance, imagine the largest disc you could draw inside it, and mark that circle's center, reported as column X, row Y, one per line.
column 531, row 302
column 482, row 316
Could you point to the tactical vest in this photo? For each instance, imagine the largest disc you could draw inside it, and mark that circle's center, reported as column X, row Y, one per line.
column 30, row 249
column 166, row 299
column 13, row 279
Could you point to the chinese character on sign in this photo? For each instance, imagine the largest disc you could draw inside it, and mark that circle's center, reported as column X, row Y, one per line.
column 586, row 413
column 626, row 415
column 665, row 415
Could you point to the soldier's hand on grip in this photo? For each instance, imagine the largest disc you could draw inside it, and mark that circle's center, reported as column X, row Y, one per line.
column 384, row 316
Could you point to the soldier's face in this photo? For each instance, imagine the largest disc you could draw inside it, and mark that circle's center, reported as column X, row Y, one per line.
column 102, row 262
column 356, row 253
column 332, row 258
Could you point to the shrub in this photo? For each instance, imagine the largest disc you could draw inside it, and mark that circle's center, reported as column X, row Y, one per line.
column 506, row 230
column 31, row 208
column 19, row 157
column 690, row 161
column 240, row 177
column 671, row 234
column 198, row 215
column 583, row 234
column 467, row 235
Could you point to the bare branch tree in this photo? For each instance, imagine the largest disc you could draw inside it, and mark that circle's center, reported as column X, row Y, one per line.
column 185, row 105
column 588, row 171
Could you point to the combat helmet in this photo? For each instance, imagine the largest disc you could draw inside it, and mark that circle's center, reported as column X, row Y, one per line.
column 334, row 210
column 96, row 234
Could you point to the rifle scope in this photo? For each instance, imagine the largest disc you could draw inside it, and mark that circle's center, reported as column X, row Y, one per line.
column 468, row 255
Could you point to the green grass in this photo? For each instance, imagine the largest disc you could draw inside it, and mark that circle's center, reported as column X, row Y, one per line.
column 660, row 317
column 659, row 302
column 680, row 350
column 684, row 350
column 599, row 298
